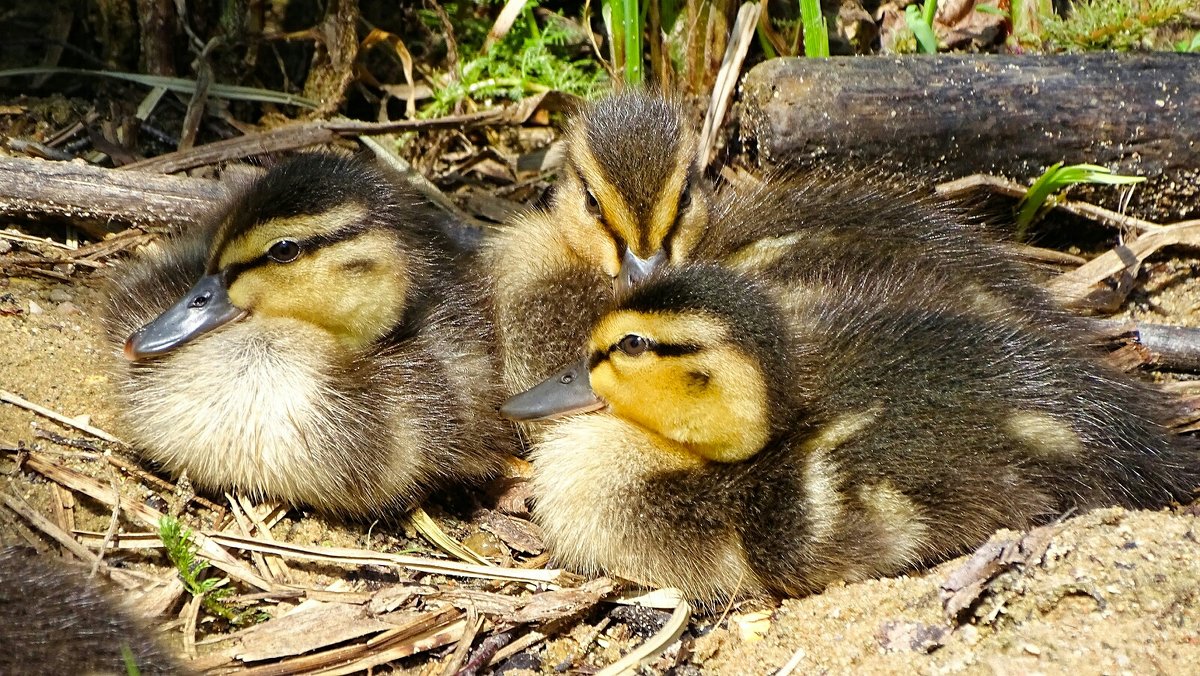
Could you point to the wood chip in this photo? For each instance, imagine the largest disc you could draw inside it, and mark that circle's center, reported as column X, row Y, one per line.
column 554, row 605
column 966, row 584
column 309, row 627
column 57, row 417
column 519, row 534
column 81, row 483
column 1077, row 284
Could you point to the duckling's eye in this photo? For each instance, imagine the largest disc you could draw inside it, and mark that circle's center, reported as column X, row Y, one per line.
column 284, row 251
column 593, row 204
column 685, row 198
column 633, row 345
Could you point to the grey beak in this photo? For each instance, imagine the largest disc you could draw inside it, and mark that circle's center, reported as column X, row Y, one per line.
column 203, row 308
column 634, row 269
column 565, row 393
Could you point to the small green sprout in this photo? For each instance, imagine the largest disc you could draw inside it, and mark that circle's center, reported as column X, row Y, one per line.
column 181, row 549
column 1185, row 47
column 920, row 22
column 1058, row 178
column 131, row 667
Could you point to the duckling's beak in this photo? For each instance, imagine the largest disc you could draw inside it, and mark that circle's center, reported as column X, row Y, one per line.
column 203, row 308
column 565, row 393
column 635, row 269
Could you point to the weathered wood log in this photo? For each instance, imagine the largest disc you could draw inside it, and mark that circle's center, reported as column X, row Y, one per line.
column 950, row 116
column 99, row 200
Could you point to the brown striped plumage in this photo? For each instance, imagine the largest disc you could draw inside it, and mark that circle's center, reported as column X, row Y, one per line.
column 55, row 620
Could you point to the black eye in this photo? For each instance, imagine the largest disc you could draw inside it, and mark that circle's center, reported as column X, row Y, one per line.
column 284, row 251
column 685, row 198
column 633, row 345
column 593, row 205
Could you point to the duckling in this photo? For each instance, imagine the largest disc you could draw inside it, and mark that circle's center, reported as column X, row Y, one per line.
column 629, row 199
column 53, row 621
column 632, row 197
column 736, row 444
column 320, row 341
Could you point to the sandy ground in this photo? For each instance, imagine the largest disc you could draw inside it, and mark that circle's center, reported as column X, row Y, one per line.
column 1115, row 592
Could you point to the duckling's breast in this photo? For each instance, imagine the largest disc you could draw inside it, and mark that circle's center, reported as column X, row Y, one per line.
column 260, row 406
column 604, row 505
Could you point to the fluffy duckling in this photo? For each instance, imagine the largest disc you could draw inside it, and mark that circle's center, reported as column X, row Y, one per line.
column 318, row 342
column 632, row 197
column 744, row 445
column 54, row 621
column 629, row 198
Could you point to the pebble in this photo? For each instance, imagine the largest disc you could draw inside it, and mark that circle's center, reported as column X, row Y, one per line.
column 5, row 247
column 67, row 308
column 35, row 309
column 60, row 296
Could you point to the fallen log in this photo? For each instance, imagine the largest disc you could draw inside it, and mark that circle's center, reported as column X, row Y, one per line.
column 99, row 200
column 949, row 116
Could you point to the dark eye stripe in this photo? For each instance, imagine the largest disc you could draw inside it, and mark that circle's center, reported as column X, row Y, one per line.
column 309, row 244
column 674, row 349
column 685, row 199
column 661, row 349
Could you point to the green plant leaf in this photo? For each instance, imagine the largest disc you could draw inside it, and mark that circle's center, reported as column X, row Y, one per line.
column 1059, row 177
column 928, row 12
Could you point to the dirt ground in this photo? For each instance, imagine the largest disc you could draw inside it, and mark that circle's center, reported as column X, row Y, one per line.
column 1116, row 592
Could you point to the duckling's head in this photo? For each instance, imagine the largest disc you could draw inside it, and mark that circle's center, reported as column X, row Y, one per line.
column 320, row 239
column 632, row 197
column 697, row 355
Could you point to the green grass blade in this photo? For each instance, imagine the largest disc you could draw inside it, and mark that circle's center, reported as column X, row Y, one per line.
column 928, row 11
column 632, row 19
column 175, row 84
column 816, row 34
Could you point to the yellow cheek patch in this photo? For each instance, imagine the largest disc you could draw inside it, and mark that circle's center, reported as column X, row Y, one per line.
column 354, row 289
column 616, row 210
column 255, row 243
column 713, row 403
column 580, row 232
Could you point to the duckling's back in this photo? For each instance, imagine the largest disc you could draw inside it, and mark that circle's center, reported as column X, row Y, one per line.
column 838, row 229
column 966, row 423
column 54, row 621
